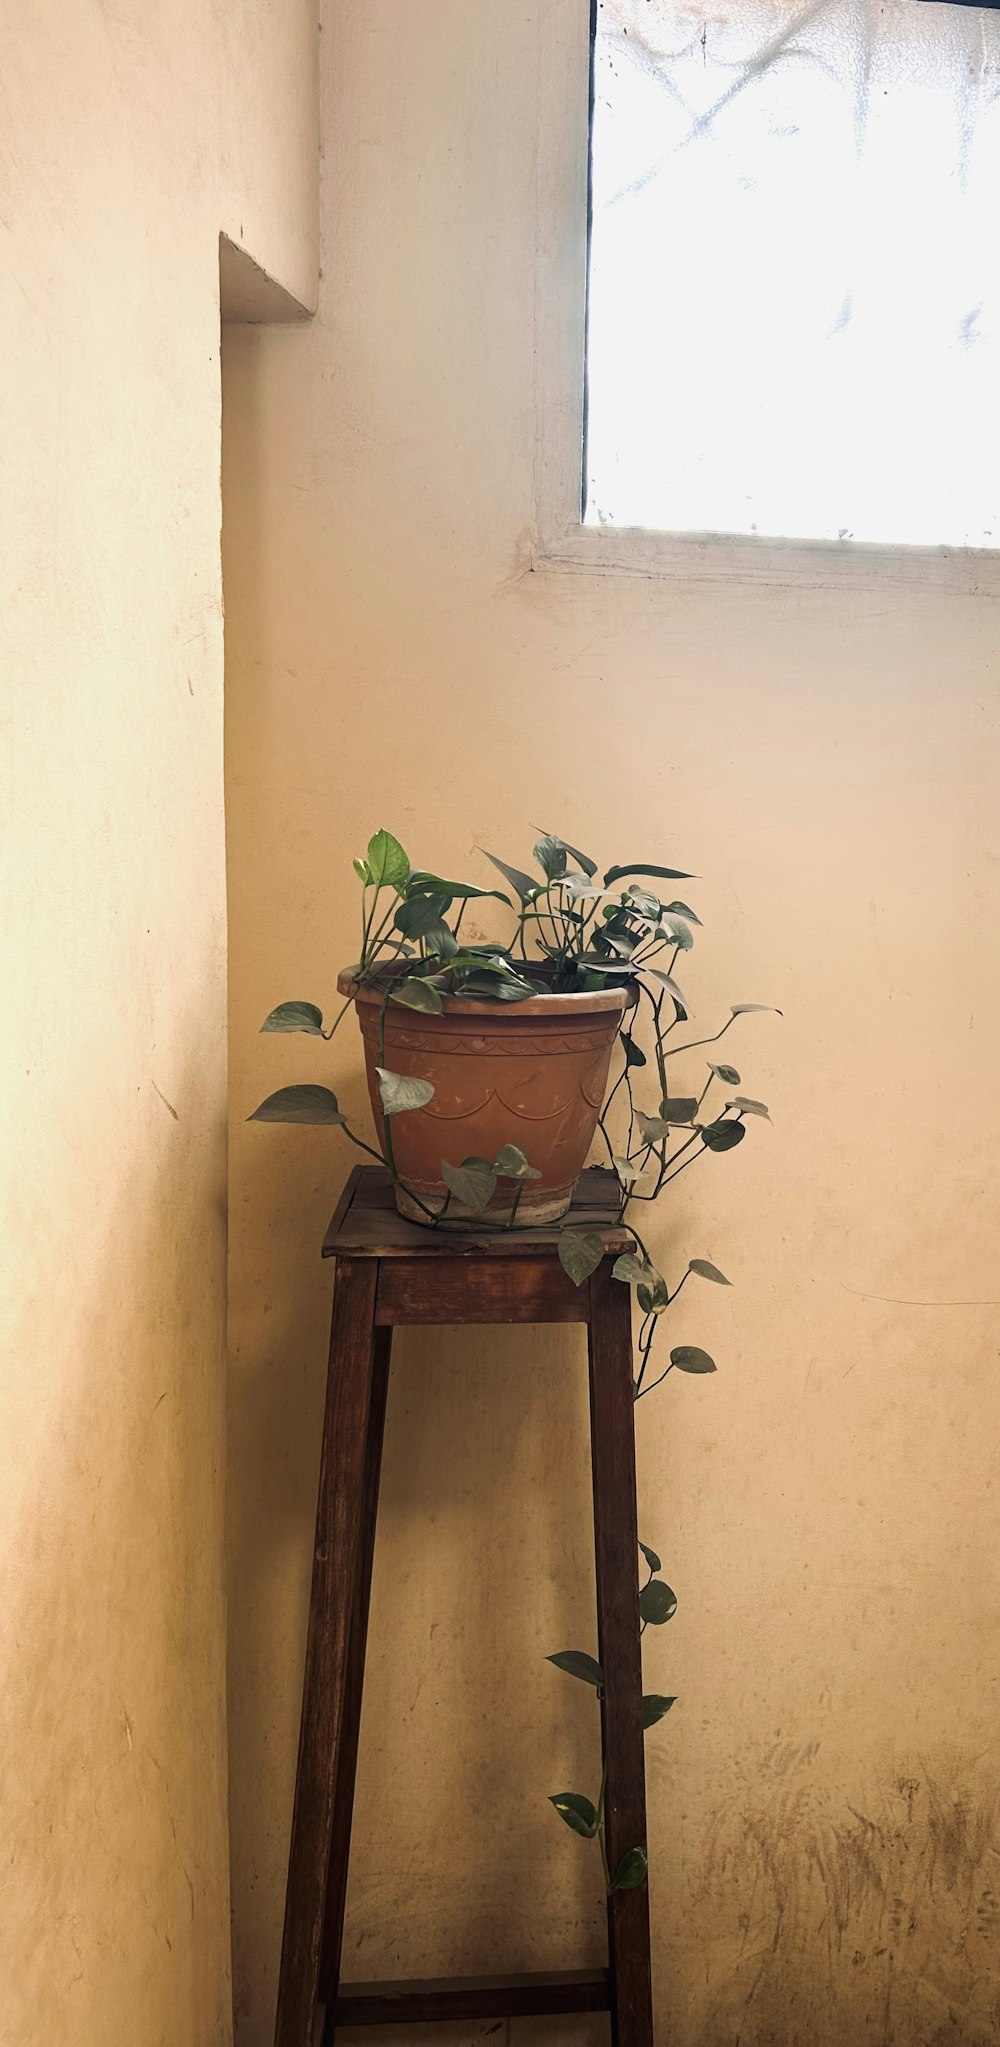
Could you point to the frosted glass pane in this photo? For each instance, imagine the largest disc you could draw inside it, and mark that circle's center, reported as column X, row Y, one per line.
column 795, row 270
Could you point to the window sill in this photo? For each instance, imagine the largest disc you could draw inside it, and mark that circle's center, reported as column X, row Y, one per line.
column 776, row 564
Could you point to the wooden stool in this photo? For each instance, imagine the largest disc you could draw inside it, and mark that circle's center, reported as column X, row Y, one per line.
column 392, row 1272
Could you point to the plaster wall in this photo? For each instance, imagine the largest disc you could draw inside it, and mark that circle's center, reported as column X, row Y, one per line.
column 823, row 1825
column 130, row 137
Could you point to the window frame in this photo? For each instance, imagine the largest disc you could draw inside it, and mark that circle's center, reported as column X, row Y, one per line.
column 562, row 543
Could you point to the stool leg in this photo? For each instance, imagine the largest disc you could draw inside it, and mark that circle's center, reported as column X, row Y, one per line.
column 341, row 1484
column 612, row 1439
column 347, row 1754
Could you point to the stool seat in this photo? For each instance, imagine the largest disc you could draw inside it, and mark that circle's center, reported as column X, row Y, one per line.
column 391, row 1272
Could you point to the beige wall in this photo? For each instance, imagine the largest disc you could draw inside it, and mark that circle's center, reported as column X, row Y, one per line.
column 130, row 137
column 822, row 1827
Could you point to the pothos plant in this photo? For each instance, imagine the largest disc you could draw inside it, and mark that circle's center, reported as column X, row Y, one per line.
column 570, row 932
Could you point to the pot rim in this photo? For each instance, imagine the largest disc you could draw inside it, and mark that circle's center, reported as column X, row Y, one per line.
column 585, row 1001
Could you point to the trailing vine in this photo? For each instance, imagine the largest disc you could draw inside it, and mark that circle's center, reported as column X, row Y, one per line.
column 571, row 933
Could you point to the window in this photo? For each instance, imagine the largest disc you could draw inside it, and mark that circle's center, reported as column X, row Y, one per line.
column 794, row 298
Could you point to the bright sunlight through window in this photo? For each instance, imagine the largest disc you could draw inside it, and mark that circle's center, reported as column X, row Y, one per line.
column 794, row 322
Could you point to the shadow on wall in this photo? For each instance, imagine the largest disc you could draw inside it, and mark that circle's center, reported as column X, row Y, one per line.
column 114, row 1749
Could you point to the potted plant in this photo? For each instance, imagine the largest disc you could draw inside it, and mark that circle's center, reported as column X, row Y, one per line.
column 490, row 1071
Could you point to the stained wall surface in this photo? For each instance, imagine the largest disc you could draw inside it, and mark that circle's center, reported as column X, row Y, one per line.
column 130, row 138
column 823, row 1825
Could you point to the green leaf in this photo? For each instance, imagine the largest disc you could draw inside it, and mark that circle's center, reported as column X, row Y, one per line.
column 688, row 1358
column 580, row 889
column 551, row 855
column 501, row 987
column 303, row 1104
column 576, row 1663
column 362, row 870
column 523, row 884
column 722, row 1136
column 577, row 1811
column 678, row 999
column 678, row 1108
column 423, row 884
column 473, row 1182
column 755, row 1009
column 631, row 1270
column 654, row 1706
column 657, row 1602
column 580, row 1254
column 631, row 1871
column 706, row 1270
column 387, row 862
column 675, row 929
column 440, row 942
column 651, row 1557
column 748, row 1107
column 583, row 860
column 634, row 1055
column 295, row 1016
column 658, row 873
column 512, row 1164
column 649, row 905
column 652, row 1129
column 626, row 1171
column 399, row 1091
column 415, row 994
column 419, row 914
column 681, row 910
column 726, row 1073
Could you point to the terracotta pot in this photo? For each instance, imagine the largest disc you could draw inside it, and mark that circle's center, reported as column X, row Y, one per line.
column 531, row 1073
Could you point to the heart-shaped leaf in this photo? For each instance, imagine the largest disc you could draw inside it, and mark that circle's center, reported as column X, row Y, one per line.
column 657, row 1602
column 755, row 1009
column 723, row 1135
column 688, row 1358
column 747, row 1107
column 419, row 914
column 577, row 1811
column 626, row 1171
column 551, row 855
column 676, row 930
column 634, row 1054
column 631, row 1871
column 473, row 1182
column 512, row 1164
column 649, row 905
column 632, row 1270
column 422, row 884
column 654, row 1706
column 521, row 883
column 576, row 1663
column 399, row 1091
column 651, row 1557
column 416, row 994
column 295, row 1016
column 682, row 910
column 303, row 1104
column 706, row 1270
column 677, row 998
column 387, row 862
column 726, row 1073
column 657, row 873
column 580, row 888
column 580, row 1254
column 678, row 1108
column 652, row 1129
column 582, row 859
